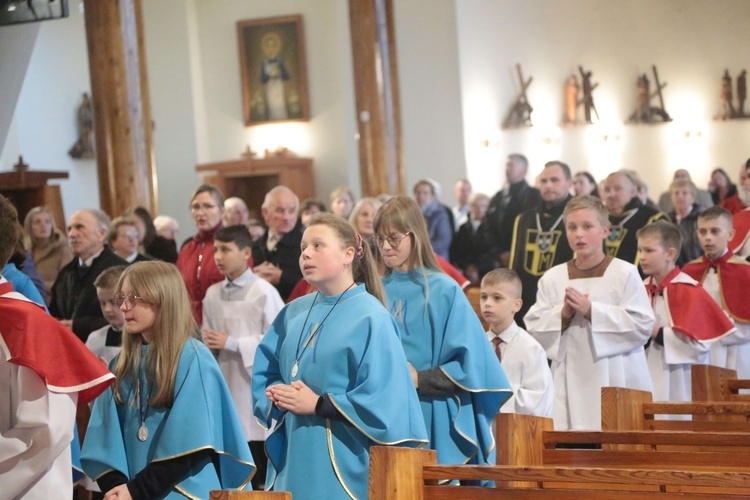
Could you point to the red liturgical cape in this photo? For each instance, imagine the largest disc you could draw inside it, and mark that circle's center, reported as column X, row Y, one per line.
column 741, row 224
column 34, row 339
column 734, row 275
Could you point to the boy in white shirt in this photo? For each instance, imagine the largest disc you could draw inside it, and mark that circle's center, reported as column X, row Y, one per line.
column 236, row 314
column 106, row 342
column 687, row 319
column 521, row 357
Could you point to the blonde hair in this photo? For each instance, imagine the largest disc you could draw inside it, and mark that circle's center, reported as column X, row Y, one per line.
column 341, row 191
column 504, row 275
column 364, row 268
column 588, row 202
column 160, row 285
column 28, row 239
column 373, row 202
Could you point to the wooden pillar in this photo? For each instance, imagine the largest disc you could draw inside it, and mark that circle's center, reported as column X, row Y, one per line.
column 377, row 97
column 122, row 112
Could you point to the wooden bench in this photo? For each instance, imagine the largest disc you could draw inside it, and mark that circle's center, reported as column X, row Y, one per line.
column 711, row 383
column 403, row 473
column 630, row 409
column 473, row 293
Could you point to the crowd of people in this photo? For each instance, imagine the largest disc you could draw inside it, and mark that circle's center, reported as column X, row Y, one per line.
column 273, row 354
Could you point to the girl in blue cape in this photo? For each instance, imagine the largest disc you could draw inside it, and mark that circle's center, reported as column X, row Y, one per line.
column 460, row 382
column 167, row 428
column 330, row 376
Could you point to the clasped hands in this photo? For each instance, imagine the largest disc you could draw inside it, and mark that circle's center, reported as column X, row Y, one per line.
column 576, row 301
column 295, row 397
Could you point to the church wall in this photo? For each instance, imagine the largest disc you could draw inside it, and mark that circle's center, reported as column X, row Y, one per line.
column 690, row 41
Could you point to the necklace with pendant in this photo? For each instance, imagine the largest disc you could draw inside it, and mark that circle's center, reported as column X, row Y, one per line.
column 300, row 352
column 142, row 430
column 544, row 239
column 615, row 231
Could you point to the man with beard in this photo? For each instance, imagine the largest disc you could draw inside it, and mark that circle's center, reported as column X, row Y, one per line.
column 627, row 214
column 539, row 240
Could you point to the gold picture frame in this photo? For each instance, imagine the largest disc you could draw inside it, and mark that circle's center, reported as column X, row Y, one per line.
column 274, row 70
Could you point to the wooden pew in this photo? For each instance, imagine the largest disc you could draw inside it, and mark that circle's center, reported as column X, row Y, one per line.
column 711, row 383
column 473, row 293
column 403, row 473
column 629, row 409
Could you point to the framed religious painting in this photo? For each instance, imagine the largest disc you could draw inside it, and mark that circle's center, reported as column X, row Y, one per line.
column 273, row 69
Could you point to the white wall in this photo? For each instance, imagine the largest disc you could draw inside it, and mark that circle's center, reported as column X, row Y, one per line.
column 45, row 118
column 430, row 88
column 690, row 41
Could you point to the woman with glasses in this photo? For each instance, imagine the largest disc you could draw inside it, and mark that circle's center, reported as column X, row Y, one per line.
column 459, row 380
column 167, row 427
column 196, row 259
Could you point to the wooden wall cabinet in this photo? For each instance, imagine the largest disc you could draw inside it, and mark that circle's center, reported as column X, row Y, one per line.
column 28, row 189
column 250, row 179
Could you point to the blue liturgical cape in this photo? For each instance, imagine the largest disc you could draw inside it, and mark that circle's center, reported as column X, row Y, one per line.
column 448, row 334
column 202, row 417
column 357, row 360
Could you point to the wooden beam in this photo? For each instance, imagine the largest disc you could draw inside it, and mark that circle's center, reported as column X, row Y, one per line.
column 122, row 111
column 377, row 97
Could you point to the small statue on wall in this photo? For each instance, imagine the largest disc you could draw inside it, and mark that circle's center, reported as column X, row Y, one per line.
column 645, row 112
column 741, row 94
column 84, row 146
column 570, row 116
column 588, row 95
column 519, row 114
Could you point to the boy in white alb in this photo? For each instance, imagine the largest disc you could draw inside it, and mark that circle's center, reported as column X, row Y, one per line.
column 522, row 358
column 687, row 319
column 236, row 314
column 106, row 342
column 592, row 316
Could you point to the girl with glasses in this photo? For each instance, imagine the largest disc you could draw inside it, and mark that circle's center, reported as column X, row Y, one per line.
column 330, row 375
column 460, row 382
column 167, row 427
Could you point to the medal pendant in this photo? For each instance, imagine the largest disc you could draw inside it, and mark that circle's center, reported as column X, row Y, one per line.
column 295, row 369
column 143, row 432
column 544, row 242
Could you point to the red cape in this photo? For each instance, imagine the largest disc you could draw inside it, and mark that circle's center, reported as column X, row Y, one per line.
column 741, row 223
column 734, row 275
column 36, row 340
column 692, row 311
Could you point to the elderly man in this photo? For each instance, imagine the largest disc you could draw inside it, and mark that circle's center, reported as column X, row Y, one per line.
column 703, row 198
column 276, row 254
column 123, row 238
column 539, row 233
column 627, row 214
column 74, row 299
column 462, row 191
column 235, row 212
column 513, row 199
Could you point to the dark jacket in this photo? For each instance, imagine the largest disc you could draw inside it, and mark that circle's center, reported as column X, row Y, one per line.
column 74, row 296
column 285, row 256
column 503, row 210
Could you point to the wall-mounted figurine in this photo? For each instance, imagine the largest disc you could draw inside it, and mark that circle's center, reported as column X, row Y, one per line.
column 519, row 114
column 84, row 146
column 645, row 112
column 570, row 117
column 588, row 95
column 741, row 94
column 728, row 110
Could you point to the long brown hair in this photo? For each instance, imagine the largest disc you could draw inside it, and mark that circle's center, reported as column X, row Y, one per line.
column 364, row 268
column 160, row 285
column 402, row 214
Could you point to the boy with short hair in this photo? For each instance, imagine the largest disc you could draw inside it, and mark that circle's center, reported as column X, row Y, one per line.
column 106, row 342
column 236, row 314
column 522, row 358
column 725, row 277
column 687, row 319
column 592, row 317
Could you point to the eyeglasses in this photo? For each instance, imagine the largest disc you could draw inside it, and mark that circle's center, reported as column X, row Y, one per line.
column 129, row 300
column 394, row 240
column 132, row 234
column 201, row 206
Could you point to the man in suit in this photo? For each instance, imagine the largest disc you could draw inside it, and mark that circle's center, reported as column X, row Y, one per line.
column 74, row 300
column 276, row 254
column 123, row 239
